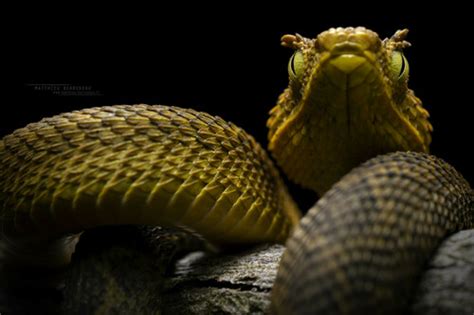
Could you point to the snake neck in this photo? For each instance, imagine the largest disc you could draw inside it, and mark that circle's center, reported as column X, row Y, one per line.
column 347, row 101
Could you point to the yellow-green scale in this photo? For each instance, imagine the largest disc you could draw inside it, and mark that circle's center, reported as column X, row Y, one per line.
column 141, row 164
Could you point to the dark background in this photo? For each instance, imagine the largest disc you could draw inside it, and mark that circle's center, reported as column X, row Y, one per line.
column 227, row 60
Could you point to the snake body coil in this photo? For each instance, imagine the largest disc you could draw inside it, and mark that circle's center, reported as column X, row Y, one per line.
column 360, row 249
column 139, row 164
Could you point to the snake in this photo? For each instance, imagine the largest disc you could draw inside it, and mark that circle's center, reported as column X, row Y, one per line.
column 347, row 127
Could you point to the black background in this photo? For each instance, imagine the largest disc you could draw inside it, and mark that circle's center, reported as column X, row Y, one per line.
column 227, row 60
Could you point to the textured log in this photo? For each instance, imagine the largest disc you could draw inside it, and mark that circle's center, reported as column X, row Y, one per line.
column 115, row 270
column 238, row 283
column 447, row 286
column 125, row 275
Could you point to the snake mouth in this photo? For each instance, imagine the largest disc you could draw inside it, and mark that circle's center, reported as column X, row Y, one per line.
column 347, row 92
column 347, row 71
column 347, row 76
column 348, row 65
column 347, row 59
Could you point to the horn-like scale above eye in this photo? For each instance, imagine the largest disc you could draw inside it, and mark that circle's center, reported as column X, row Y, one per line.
column 399, row 65
column 296, row 65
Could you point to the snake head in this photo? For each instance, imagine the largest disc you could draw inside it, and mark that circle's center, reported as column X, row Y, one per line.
column 348, row 97
column 349, row 58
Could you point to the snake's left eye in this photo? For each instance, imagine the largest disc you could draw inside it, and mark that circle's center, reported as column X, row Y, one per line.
column 399, row 65
column 296, row 65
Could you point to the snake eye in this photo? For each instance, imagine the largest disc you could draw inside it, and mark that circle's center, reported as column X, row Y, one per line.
column 296, row 65
column 399, row 66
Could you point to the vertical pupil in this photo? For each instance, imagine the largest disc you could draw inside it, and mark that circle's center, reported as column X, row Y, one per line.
column 292, row 63
column 402, row 68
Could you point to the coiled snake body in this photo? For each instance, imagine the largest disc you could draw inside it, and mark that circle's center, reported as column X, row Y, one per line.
column 359, row 249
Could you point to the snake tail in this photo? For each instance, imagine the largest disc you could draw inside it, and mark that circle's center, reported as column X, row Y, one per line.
column 362, row 247
column 135, row 164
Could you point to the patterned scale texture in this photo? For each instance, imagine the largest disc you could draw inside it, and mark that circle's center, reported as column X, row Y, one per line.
column 361, row 248
column 141, row 164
